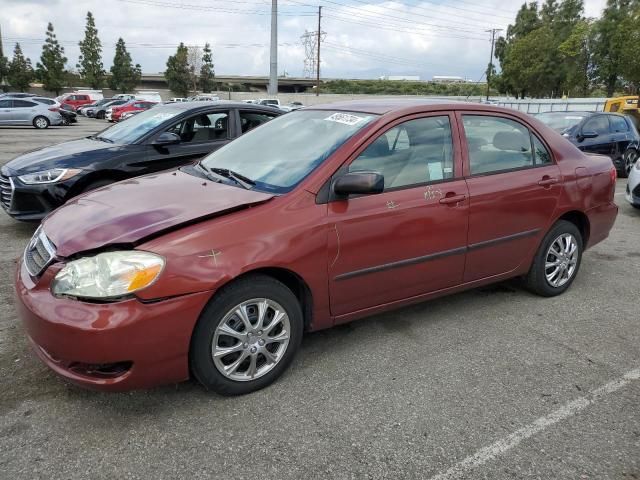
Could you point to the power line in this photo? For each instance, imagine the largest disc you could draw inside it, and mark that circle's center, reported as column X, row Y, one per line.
column 381, row 16
column 401, row 29
column 186, row 6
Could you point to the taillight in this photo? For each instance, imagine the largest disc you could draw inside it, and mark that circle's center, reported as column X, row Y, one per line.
column 54, row 109
column 614, row 175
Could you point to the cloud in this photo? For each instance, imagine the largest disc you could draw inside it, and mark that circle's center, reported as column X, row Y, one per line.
column 363, row 39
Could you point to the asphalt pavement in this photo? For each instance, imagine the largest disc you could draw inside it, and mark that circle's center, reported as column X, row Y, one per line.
column 494, row 383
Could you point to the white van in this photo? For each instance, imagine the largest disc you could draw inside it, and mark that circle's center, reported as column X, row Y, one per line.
column 148, row 96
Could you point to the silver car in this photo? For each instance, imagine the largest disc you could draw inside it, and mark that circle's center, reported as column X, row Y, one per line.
column 633, row 185
column 23, row 111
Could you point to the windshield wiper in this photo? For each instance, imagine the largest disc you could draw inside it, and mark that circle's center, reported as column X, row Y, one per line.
column 240, row 179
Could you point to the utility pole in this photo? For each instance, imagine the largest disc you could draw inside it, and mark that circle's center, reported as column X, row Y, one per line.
column 489, row 68
column 273, row 67
column 318, row 61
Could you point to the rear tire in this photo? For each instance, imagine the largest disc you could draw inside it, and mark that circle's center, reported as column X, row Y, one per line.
column 65, row 122
column 100, row 115
column 253, row 352
column 557, row 260
column 41, row 122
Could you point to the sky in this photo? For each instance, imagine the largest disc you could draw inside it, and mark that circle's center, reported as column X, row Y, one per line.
column 362, row 39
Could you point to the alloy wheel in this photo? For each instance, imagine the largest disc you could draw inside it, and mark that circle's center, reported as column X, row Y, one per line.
column 41, row 122
column 251, row 339
column 561, row 260
column 630, row 158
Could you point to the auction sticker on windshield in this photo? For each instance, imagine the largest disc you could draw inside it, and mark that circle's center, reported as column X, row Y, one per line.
column 345, row 118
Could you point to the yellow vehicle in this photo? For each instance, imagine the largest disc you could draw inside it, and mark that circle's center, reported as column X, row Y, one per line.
column 626, row 105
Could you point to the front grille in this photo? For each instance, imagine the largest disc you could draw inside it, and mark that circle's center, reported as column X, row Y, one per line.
column 6, row 191
column 39, row 253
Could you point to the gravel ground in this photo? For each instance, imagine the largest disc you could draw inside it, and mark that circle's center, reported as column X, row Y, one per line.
column 489, row 384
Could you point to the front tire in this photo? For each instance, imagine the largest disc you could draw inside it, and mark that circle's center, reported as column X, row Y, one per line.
column 557, row 260
column 41, row 122
column 247, row 336
column 100, row 115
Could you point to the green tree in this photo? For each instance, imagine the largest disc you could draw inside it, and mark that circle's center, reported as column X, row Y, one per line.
column 608, row 43
column 50, row 70
column 124, row 74
column 177, row 73
column 630, row 53
column 90, row 63
column 207, row 71
column 576, row 56
column 20, row 72
column 530, row 54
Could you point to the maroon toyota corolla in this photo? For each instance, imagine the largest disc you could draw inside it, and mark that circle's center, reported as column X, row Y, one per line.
column 319, row 217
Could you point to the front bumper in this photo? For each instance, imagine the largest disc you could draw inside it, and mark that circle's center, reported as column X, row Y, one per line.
column 34, row 202
column 114, row 346
column 633, row 187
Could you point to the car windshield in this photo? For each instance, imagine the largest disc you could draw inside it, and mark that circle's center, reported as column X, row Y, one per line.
column 282, row 152
column 560, row 121
column 138, row 126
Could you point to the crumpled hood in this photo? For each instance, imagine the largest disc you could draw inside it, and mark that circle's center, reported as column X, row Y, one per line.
column 73, row 154
column 131, row 210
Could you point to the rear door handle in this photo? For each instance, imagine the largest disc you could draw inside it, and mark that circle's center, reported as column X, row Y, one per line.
column 451, row 199
column 547, row 182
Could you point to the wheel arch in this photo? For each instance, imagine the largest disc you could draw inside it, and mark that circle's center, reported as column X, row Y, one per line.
column 95, row 176
column 580, row 220
column 293, row 282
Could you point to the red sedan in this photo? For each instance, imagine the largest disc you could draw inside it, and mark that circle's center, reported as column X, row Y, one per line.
column 319, row 217
column 133, row 106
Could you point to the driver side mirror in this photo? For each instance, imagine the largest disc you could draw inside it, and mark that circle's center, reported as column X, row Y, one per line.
column 587, row 134
column 358, row 183
column 166, row 138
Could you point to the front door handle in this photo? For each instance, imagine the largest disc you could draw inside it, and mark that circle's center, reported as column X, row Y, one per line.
column 450, row 199
column 547, row 181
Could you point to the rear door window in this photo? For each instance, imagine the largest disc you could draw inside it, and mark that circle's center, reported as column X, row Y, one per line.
column 250, row 120
column 496, row 144
column 618, row 124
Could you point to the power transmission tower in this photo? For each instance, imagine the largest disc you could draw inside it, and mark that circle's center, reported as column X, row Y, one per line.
column 493, row 32
column 311, row 42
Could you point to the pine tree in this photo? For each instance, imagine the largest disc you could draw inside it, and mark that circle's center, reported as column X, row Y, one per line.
column 124, row 74
column 177, row 73
column 207, row 72
column 50, row 70
column 90, row 62
column 20, row 72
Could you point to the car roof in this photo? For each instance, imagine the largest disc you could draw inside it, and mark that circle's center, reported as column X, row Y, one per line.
column 386, row 105
column 216, row 103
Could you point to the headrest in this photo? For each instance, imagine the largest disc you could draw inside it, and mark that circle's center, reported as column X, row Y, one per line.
column 379, row 147
column 513, row 141
column 204, row 120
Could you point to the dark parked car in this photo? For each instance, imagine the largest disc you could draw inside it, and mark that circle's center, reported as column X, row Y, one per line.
column 322, row 216
column 164, row 137
column 608, row 134
column 99, row 111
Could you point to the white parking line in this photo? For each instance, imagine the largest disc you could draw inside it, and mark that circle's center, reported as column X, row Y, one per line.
column 620, row 193
column 510, row 441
